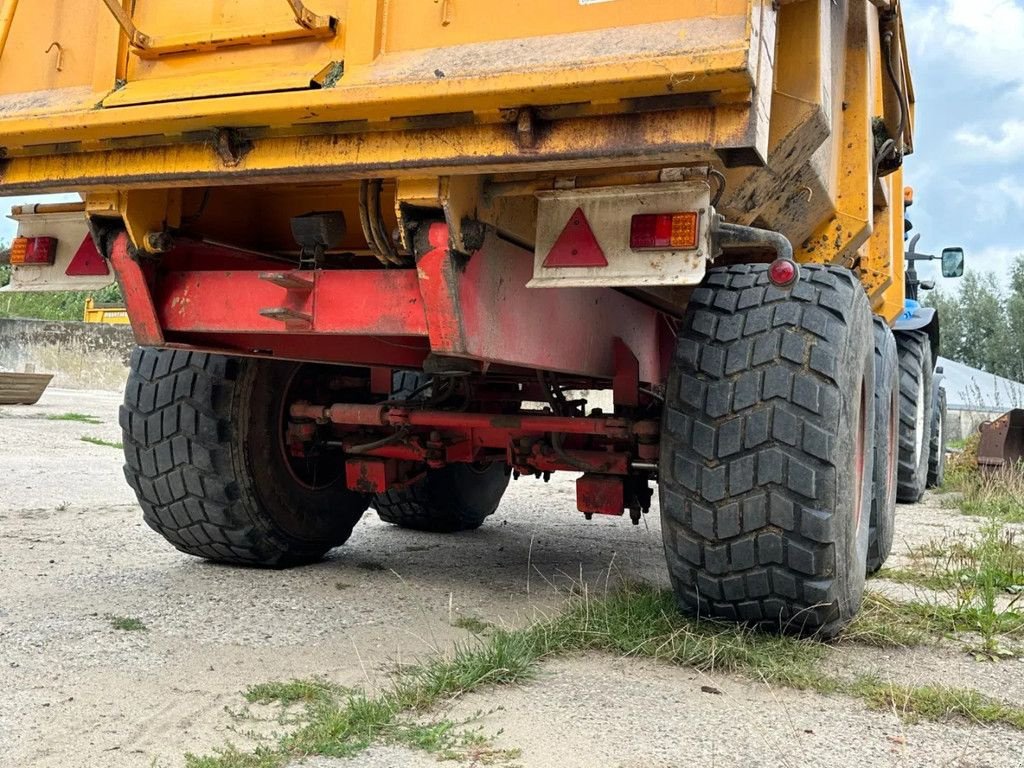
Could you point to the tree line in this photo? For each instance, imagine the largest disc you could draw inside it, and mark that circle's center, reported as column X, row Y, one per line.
column 982, row 325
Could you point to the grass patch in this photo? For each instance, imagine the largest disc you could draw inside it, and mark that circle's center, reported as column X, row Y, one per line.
column 636, row 621
column 472, row 624
column 293, row 692
column 83, row 418
column 997, row 494
column 885, row 623
column 935, row 703
column 100, row 441
column 981, row 577
column 128, row 624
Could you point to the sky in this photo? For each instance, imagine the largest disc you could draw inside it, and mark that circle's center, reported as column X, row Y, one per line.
column 968, row 166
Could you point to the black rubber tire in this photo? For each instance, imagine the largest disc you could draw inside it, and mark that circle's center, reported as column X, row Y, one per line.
column 204, row 457
column 915, row 356
column 937, row 444
column 883, row 497
column 458, row 497
column 768, row 398
column 455, row 498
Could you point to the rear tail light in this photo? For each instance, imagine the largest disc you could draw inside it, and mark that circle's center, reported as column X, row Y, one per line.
column 664, row 231
column 33, row 250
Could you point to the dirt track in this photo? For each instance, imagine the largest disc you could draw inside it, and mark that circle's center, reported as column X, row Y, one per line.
column 76, row 691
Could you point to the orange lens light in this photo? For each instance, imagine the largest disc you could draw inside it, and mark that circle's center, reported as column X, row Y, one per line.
column 33, row 250
column 664, row 231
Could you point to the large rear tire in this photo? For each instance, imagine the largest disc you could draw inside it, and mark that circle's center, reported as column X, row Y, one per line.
column 883, row 498
column 204, row 455
column 767, row 450
column 937, row 449
column 915, row 354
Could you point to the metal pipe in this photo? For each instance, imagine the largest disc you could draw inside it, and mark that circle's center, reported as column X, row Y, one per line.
column 355, row 414
column 6, row 20
column 738, row 236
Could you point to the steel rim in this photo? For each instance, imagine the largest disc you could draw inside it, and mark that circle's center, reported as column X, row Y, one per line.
column 311, row 472
column 894, row 427
column 860, row 441
column 919, row 424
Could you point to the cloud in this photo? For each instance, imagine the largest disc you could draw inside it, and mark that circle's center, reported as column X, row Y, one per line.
column 1008, row 145
column 983, row 36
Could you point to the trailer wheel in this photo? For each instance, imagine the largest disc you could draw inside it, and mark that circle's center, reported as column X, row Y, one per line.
column 915, row 354
column 455, row 498
column 458, row 497
column 205, row 455
column 937, row 449
column 887, row 406
column 767, row 450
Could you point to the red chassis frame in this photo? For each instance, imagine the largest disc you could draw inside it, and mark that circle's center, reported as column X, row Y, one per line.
column 476, row 310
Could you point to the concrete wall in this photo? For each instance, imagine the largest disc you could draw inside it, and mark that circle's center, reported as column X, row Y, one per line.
column 79, row 355
column 961, row 424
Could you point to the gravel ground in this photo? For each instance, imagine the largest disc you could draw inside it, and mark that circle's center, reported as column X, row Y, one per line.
column 77, row 691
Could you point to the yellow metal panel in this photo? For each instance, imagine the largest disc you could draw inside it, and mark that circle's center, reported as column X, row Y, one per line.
column 593, row 70
column 201, row 85
column 651, row 138
column 800, row 124
column 25, row 64
column 415, row 24
column 882, row 265
column 838, row 239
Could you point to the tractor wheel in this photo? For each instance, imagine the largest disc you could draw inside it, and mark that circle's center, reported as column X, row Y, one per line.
column 767, row 450
column 458, row 497
column 205, row 454
column 937, row 450
column 887, row 406
column 915, row 354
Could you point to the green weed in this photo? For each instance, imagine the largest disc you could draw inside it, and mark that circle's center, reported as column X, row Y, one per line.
column 471, row 624
column 128, row 624
column 100, row 441
column 79, row 417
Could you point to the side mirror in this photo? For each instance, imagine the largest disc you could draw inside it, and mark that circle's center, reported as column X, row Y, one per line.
column 952, row 262
column 927, row 285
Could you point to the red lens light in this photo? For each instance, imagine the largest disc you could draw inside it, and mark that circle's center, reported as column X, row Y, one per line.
column 33, row 250
column 783, row 272
column 664, row 231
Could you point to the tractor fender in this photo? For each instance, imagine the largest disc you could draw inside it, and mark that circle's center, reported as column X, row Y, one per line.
column 918, row 318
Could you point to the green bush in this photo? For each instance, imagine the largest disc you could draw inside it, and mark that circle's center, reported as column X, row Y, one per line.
column 56, row 305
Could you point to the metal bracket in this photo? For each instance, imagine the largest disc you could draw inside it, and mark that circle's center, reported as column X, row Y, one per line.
column 135, row 36
column 290, row 317
column 145, row 46
column 306, row 18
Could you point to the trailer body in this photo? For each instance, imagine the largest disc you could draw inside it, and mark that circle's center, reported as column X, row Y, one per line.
column 517, row 199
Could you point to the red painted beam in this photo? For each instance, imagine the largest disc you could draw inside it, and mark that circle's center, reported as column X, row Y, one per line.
column 342, row 302
column 481, row 309
column 136, row 290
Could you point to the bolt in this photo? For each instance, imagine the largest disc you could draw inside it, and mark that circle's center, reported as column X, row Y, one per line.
column 158, row 242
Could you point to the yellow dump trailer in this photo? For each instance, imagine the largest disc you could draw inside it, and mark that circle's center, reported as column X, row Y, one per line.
column 370, row 233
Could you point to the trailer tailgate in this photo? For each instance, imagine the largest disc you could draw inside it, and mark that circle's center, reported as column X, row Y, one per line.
column 196, row 65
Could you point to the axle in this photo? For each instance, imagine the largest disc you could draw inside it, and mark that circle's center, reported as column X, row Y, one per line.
column 386, row 446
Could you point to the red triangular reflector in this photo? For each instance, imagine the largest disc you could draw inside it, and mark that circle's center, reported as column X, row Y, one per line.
column 87, row 261
column 576, row 246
